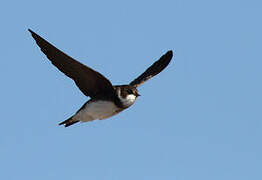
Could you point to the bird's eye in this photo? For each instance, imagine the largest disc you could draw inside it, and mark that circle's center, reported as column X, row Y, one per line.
column 129, row 91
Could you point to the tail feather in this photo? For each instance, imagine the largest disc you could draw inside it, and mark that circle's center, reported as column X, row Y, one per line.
column 68, row 122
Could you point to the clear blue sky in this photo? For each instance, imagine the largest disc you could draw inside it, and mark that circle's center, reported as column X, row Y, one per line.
column 199, row 119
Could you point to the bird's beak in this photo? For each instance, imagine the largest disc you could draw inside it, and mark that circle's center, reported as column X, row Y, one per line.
column 138, row 95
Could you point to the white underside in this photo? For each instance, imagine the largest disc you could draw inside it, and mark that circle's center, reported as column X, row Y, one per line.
column 129, row 100
column 97, row 110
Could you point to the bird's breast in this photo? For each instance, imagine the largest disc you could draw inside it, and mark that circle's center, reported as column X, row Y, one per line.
column 98, row 110
column 128, row 100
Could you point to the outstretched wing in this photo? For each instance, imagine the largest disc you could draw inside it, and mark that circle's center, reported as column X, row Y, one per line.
column 90, row 82
column 154, row 69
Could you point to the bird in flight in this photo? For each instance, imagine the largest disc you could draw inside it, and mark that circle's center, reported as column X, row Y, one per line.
column 106, row 100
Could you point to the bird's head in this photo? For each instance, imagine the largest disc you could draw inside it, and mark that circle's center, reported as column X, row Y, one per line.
column 127, row 94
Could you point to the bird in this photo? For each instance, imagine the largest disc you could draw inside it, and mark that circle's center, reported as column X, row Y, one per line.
column 106, row 100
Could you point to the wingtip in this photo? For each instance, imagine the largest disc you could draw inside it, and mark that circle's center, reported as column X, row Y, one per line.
column 169, row 53
column 32, row 32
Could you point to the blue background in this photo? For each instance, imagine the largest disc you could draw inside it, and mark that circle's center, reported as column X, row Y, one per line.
column 199, row 119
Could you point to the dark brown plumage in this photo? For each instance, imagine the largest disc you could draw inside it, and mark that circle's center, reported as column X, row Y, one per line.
column 154, row 69
column 89, row 81
column 106, row 100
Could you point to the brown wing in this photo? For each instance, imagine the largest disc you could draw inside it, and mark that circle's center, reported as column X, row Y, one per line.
column 154, row 69
column 90, row 82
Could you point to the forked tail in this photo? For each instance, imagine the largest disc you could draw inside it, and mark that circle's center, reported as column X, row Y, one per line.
column 68, row 122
